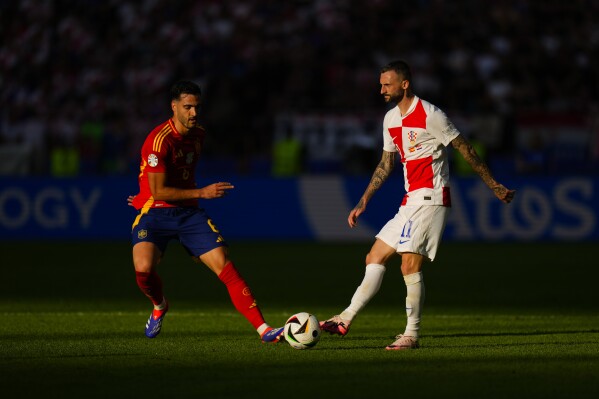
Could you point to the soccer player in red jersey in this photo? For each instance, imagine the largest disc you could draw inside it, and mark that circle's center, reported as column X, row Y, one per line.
column 419, row 132
column 168, row 209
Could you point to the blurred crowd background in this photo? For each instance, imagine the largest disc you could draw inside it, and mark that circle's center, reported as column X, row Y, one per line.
column 291, row 87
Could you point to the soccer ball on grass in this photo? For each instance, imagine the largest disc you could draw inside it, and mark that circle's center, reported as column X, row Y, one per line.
column 302, row 330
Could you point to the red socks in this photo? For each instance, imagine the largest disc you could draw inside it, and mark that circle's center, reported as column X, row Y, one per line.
column 151, row 285
column 241, row 296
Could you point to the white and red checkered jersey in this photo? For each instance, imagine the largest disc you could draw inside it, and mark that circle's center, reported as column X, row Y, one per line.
column 421, row 137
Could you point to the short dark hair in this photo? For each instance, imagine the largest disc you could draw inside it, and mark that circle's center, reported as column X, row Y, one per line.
column 400, row 67
column 184, row 87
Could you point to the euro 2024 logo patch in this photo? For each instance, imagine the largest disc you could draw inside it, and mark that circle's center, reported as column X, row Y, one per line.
column 152, row 160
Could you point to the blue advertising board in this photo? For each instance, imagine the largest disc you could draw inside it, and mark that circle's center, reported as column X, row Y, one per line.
column 304, row 208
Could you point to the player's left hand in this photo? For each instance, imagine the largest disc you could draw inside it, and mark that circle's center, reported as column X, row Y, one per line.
column 217, row 190
column 130, row 200
column 504, row 194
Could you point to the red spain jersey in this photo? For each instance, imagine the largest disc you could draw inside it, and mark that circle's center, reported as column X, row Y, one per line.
column 167, row 151
column 421, row 137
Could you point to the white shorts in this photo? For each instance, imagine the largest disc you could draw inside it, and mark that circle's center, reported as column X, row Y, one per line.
column 416, row 229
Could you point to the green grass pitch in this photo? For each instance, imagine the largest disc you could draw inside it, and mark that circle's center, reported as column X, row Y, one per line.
column 500, row 321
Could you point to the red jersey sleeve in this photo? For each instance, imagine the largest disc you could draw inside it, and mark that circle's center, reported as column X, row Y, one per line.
column 154, row 154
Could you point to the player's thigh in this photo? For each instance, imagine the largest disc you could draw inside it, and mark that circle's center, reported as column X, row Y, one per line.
column 380, row 253
column 146, row 256
column 216, row 259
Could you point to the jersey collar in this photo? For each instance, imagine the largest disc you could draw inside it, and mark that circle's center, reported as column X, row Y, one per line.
column 175, row 131
column 415, row 100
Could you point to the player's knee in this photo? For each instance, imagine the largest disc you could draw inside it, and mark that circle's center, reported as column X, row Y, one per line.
column 374, row 258
column 411, row 263
column 143, row 266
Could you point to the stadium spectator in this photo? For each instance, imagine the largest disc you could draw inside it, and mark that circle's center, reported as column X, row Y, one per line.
column 288, row 155
column 284, row 56
column 64, row 159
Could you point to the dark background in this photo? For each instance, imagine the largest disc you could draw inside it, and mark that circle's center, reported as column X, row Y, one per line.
column 94, row 75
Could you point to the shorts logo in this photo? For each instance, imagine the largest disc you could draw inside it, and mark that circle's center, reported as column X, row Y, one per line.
column 152, row 160
column 246, row 291
column 141, row 234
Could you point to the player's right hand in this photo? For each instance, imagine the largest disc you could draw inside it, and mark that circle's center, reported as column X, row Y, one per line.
column 352, row 219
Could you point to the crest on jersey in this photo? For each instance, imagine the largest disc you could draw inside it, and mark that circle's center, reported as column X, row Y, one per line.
column 152, row 160
column 412, row 136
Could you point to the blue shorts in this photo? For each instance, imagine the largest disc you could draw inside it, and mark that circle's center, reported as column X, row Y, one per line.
column 191, row 226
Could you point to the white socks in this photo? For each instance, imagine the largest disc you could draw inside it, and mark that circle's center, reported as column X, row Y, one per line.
column 414, row 302
column 162, row 304
column 373, row 277
column 262, row 328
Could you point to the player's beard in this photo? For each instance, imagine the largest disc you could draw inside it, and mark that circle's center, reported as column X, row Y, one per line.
column 188, row 122
column 395, row 98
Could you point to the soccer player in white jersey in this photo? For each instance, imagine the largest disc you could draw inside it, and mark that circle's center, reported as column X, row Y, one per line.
column 419, row 132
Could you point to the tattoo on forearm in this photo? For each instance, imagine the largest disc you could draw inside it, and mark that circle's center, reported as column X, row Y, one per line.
column 381, row 173
column 472, row 158
column 360, row 204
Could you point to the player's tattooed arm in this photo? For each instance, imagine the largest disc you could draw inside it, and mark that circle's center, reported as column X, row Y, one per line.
column 480, row 167
column 380, row 175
